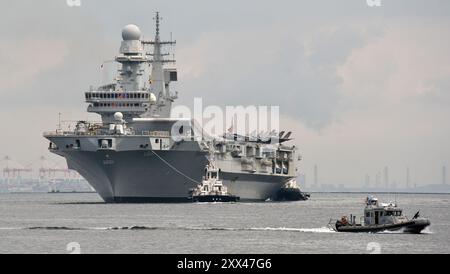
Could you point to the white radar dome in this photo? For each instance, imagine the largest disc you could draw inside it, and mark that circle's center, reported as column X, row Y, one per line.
column 131, row 32
column 118, row 116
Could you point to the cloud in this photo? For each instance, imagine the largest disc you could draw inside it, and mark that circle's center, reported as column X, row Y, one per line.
column 295, row 68
column 408, row 62
column 393, row 110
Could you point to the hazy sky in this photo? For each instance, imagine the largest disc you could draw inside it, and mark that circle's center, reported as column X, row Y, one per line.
column 361, row 87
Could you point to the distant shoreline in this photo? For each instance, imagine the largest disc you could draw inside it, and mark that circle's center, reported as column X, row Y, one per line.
column 43, row 192
column 378, row 192
column 312, row 192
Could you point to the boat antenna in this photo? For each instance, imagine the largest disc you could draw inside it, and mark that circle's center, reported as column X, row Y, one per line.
column 171, row 46
column 157, row 18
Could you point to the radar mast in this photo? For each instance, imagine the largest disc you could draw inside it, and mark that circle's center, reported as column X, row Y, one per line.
column 160, row 78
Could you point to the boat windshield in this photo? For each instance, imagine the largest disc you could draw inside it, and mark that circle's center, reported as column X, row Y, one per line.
column 393, row 213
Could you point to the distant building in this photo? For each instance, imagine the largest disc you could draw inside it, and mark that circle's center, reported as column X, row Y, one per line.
column 408, row 177
column 444, row 175
column 386, row 176
column 302, row 180
column 377, row 179
column 367, row 181
column 316, row 176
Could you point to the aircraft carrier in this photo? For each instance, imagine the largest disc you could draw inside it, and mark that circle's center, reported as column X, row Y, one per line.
column 132, row 155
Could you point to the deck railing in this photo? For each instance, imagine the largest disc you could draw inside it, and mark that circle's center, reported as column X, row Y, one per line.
column 104, row 132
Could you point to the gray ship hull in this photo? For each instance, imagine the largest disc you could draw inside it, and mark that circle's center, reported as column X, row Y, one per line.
column 142, row 177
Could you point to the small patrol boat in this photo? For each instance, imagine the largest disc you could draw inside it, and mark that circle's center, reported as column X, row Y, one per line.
column 380, row 217
column 211, row 189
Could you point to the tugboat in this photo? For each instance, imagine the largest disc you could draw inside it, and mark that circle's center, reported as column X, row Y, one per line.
column 381, row 217
column 291, row 192
column 211, row 188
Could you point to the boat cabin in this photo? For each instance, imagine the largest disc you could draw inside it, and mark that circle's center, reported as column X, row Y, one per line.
column 381, row 214
column 211, row 173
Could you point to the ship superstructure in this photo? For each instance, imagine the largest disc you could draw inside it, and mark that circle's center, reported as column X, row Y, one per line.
column 136, row 92
column 132, row 155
